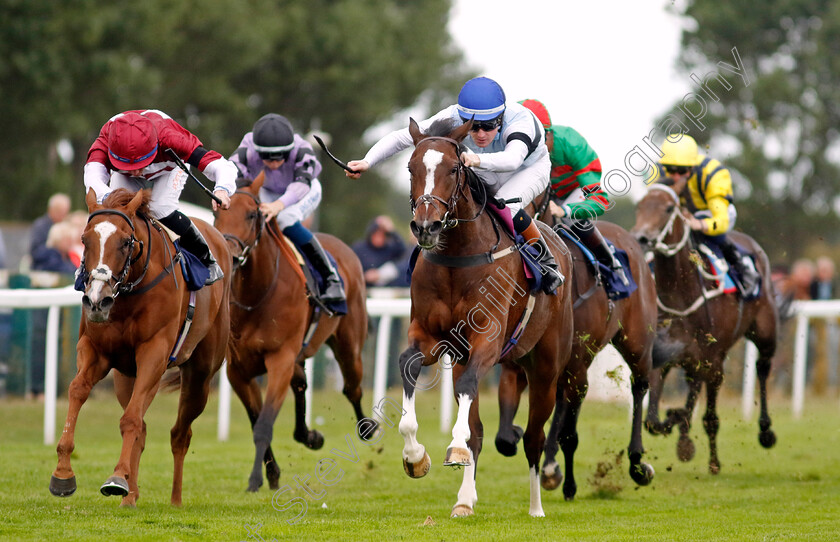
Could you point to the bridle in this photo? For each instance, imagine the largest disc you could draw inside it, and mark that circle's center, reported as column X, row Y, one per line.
column 659, row 244
column 449, row 221
column 117, row 283
column 246, row 248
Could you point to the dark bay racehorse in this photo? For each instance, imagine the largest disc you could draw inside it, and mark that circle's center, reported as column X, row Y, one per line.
column 629, row 324
column 698, row 324
column 469, row 296
column 135, row 306
column 270, row 316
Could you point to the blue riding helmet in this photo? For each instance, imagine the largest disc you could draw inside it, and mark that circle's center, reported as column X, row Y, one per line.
column 481, row 98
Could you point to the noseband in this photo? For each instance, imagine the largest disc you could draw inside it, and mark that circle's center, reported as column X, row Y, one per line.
column 246, row 249
column 659, row 244
column 118, row 285
column 449, row 206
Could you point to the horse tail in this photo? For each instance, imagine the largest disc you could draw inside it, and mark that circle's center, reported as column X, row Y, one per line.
column 664, row 349
column 171, row 381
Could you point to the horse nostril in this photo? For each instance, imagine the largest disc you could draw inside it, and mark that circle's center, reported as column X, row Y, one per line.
column 86, row 302
column 436, row 227
column 106, row 303
column 415, row 229
column 642, row 239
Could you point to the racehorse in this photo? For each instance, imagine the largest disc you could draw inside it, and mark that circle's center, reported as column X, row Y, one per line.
column 468, row 302
column 271, row 317
column 629, row 324
column 699, row 326
column 136, row 304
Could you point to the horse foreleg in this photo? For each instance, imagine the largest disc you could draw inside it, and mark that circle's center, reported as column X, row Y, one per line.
column 312, row 439
column 149, row 360
column 467, row 436
column 281, row 366
column 90, row 371
column 511, row 385
column 682, row 417
column 416, row 461
column 653, row 424
column 711, row 422
column 641, row 473
column 123, row 386
column 574, row 387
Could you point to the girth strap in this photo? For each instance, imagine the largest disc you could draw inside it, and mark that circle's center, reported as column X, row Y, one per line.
column 467, row 261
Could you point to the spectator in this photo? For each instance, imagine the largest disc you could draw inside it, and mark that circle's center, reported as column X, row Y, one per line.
column 78, row 219
column 58, row 207
column 381, row 252
column 801, row 277
column 823, row 370
column 822, row 287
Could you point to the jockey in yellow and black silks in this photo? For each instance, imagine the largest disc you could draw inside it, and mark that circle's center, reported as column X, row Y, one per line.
column 705, row 189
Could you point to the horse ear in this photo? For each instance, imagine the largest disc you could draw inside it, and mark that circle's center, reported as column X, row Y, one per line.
column 90, row 200
column 135, row 203
column 414, row 130
column 459, row 133
column 255, row 186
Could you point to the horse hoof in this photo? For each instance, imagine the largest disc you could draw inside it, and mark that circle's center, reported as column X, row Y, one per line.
column 315, row 440
column 642, row 473
column 419, row 469
column 62, row 487
column 461, row 511
column 116, row 486
column 507, row 447
column 369, row 435
column 767, row 438
column 457, row 457
column 685, row 449
column 656, row 428
column 551, row 477
column 714, row 467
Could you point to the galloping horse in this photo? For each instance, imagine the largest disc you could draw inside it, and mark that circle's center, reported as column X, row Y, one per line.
column 136, row 304
column 629, row 324
column 700, row 327
column 468, row 302
column 271, row 314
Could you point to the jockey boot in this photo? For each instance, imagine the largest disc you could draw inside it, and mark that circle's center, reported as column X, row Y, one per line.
column 552, row 278
column 332, row 291
column 743, row 263
column 193, row 241
column 598, row 245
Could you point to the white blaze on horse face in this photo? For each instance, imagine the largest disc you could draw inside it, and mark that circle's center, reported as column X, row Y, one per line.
column 413, row 451
column 431, row 160
column 101, row 273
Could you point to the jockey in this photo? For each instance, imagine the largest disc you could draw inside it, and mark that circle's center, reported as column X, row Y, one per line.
column 705, row 188
column 505, row 147
column 291, row 190
column 576, row 185
column 130, row 153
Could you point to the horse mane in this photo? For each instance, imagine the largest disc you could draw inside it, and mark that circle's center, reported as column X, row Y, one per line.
column 441, row 128
column 121, row 197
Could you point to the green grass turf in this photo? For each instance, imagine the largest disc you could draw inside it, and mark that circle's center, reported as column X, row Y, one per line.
column 791, row 492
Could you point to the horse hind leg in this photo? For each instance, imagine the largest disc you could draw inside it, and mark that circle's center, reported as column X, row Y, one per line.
column 123, row 386
column 312, row 439
column 542, row 379
column 653, row 424
column 346, row 344
column 711, row 423
column 766, row 436
column 639, row 362
column 511, row 385
column 763, row 336
column 682, row 418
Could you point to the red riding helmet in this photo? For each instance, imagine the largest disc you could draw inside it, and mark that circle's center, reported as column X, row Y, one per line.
column 132, row 142
column 539, row 110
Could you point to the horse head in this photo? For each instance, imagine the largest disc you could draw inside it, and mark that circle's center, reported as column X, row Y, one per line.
column 110, row 248
column 438, row 179
column 243, row 223
column 657, row 226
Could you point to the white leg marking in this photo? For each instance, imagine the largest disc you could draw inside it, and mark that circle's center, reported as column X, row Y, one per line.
column 467, row 494
column 536, row 509
column 413, row 451
column 461, row 429
column 431, row 160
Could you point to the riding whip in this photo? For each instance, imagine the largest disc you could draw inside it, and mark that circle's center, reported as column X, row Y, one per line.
column 183, row 166
column 331, row 155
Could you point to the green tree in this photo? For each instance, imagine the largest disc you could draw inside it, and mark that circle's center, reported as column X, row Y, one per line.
column 215, row 66
column 783, row 126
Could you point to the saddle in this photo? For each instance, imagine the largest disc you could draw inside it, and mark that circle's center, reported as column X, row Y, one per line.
column 725, row 276
column 603, row 274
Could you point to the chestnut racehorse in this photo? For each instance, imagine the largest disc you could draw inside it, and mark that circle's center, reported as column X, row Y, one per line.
column 135, row 305
column 700, row 325
column 629, row 324
column 270, row 316
column 469, row 295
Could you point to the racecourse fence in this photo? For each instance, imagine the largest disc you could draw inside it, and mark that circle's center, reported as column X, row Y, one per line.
column 387, row 309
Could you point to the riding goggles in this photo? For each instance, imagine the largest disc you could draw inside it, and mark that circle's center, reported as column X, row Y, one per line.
column 486, row 125
column 273, row 155
column 679, row 170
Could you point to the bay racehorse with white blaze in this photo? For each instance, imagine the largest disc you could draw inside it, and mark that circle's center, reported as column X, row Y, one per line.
column 135, row 305
column 699, row 323
column 469, row 297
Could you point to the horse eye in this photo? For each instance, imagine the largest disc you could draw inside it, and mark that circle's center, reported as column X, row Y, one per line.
column 252, row 215
column 671, row 208
column 454, row 170
column 125, row 244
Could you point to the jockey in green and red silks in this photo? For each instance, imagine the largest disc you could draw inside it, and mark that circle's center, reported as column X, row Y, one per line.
column 576, row 192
